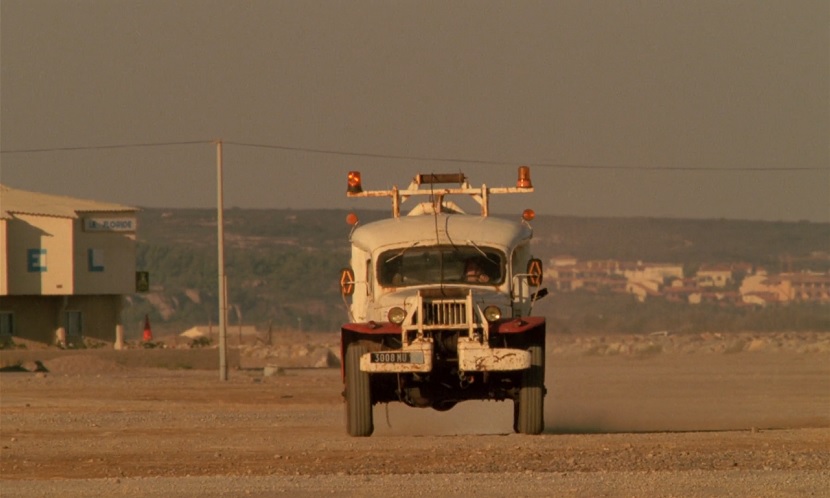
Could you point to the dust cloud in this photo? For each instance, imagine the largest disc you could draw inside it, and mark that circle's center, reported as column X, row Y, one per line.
column 698, row 392
column 468, row 417
column 663, row 393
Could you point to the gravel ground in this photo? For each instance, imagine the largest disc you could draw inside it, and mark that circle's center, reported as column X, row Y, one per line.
column 615, row 483
column 744, row 424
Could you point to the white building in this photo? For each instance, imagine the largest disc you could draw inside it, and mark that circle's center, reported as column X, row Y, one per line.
column 64, row 266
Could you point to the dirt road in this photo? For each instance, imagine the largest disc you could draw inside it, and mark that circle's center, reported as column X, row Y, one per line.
column 748, row 424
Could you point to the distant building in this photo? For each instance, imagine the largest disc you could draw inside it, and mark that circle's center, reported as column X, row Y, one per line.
column 681, row 290
column 64, row 266
column 714, row 275
column 761, row 298
column 809, row 287
column 763, row 289
column 709, row 285
column 568, row 274
column 643, row 289
column 648, row 279
column 563, row 260
column 731, row 298
column 799, row 287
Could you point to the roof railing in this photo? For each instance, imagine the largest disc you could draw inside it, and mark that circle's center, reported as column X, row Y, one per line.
column 480, row 195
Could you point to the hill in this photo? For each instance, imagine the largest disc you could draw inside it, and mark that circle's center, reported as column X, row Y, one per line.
column 282, row 265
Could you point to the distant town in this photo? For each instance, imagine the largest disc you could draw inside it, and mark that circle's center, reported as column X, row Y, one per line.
column 737, row 284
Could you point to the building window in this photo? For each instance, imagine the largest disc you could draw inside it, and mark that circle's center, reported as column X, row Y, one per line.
column 36, row 260
column 74, row 324
column 95, row 258
column 6, row 323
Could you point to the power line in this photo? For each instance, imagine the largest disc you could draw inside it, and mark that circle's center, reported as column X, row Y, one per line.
column 459, row 160
column 99, row 147
column 514, row 163
column 374, row 155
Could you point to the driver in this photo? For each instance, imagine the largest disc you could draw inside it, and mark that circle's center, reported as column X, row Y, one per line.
column 474, row 273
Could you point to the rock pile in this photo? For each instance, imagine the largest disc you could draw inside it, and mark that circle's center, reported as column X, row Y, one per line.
column 704, row 343
column 326, row 353
column 304, row 355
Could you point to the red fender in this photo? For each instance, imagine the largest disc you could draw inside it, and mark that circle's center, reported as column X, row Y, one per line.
column 518, row 325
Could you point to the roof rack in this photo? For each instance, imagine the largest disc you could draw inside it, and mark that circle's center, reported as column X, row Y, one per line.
column 480, row 195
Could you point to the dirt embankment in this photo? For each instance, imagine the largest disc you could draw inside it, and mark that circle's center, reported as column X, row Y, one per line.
column 322, row 350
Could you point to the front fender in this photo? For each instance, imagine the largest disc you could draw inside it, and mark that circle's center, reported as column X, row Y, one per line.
column 371, row 328
column 351, row 332
column 518, row 325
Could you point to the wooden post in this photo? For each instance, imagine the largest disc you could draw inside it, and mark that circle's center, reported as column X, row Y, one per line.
column 223, row 303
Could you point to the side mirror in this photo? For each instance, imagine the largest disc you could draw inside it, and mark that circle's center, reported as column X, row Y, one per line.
column 534, row 272
column 347, row 281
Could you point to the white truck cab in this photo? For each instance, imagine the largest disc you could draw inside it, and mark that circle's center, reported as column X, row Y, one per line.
column 441, row 305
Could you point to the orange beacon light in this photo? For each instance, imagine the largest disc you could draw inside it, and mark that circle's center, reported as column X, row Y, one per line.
column 524, row 178
column 355, row 185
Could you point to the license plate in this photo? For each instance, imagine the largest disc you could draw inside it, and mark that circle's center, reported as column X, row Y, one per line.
column 398, row 357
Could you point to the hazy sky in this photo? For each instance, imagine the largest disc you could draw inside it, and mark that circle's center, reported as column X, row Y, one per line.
column 713, row 87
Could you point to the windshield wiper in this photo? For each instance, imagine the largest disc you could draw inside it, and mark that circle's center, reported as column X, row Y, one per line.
column 398, row 255
column 481, row 251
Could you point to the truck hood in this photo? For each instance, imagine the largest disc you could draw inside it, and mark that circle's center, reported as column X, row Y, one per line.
column 407, row 298
column 440, row 229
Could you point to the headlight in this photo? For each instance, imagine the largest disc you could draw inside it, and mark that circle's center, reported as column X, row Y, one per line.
column 396, row 315
column 492, row 313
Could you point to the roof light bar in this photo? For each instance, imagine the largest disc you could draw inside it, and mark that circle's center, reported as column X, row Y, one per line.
column 433, row 178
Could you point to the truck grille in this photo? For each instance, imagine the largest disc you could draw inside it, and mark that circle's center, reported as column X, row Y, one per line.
column 445, row 313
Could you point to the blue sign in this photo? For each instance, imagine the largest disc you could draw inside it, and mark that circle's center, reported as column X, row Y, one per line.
column 95, row 258
column 36, row 260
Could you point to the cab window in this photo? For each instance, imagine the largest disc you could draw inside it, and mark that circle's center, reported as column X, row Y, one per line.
column 441, row 265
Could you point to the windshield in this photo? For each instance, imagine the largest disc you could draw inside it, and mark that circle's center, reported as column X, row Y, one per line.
column 442, row 264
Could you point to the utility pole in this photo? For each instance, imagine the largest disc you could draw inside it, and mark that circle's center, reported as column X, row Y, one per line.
column 223, row 299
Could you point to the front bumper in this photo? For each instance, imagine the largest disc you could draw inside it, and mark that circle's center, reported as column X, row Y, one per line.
column 476, row 357
column 472, row 357
column 415, row 357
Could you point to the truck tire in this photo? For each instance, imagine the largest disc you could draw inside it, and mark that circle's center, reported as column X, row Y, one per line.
column 529, row 408
column 359, row 421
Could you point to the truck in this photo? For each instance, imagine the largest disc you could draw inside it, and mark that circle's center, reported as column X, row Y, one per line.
column 440, row 304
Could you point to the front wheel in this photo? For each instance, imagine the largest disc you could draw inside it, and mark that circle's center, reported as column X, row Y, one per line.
column 529, row 408
column 359, row 421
